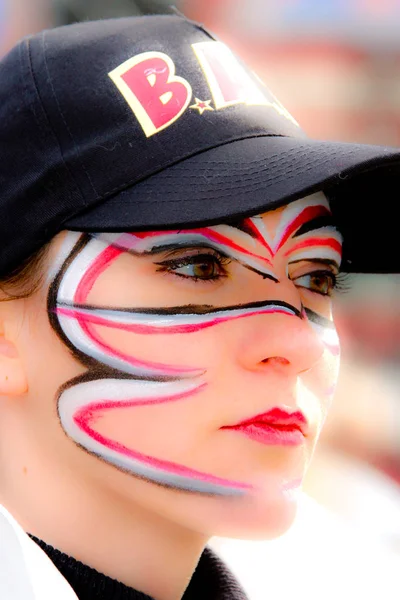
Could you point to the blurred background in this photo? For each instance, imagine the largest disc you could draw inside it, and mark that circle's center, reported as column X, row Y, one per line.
column 335, row 65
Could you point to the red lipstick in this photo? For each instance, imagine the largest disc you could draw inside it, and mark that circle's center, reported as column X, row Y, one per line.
column 277, row 427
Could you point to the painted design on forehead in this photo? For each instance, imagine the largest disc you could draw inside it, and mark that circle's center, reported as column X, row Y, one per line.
column 228, row 240
column 116, row 380
column 309, row 220
column 249, row 242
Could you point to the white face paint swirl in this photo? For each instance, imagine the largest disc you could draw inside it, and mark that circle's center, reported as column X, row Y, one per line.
column 117, row 380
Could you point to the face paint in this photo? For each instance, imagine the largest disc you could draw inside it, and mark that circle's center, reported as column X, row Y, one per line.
column 249, row 242
column 118, row 380
column 82, row 404
column 220, row 237
column 174, row 320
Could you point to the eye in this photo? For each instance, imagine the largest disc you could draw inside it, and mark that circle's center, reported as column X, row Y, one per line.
column 204, row 267
column 320, row 282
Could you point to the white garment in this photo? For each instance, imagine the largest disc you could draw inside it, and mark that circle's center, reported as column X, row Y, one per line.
column 26, row 572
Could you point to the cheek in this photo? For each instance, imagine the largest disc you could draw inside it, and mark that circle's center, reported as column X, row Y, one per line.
column 171, row 430
column 48, row 360
column 329, row 379
column 136, row 282
column 322, row 378
column 201, row 350
column 127, row 282
column 319, row 385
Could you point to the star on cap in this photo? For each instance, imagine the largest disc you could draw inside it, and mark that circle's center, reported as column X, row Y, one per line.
column 201, row 105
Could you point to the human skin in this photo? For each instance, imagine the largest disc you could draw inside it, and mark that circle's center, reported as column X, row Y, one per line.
column 134, row 482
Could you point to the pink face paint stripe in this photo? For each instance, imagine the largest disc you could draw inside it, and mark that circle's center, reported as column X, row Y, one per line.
column 317, row 242
column 149, row 234
column 89, row 278
column 157, row 463
column 209, row 233
column 83, row 284
column 334, row 349
column 258, row 235
column 309, row 213
column 165, row 329
column 87, row 411
column 83, row 289
column 312, row 212
column 159, row 368
column 222, row 239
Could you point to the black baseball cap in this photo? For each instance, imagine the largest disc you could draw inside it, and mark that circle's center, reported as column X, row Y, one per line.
column 145, row 123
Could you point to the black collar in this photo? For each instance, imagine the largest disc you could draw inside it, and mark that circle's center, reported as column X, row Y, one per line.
column 211, row 580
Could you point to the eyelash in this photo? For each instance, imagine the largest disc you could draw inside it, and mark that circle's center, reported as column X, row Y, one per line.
column 338, row 281
column 342, row 284
column 219, row 261
column 169, row 266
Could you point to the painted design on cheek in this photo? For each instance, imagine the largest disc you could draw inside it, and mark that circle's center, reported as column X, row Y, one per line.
column 170, row 321
column 115, row 380
column 80, row 408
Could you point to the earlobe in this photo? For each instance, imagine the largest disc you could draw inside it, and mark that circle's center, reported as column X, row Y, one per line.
column 13, row 380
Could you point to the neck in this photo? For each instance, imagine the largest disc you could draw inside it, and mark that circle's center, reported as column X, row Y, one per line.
column 119, row 539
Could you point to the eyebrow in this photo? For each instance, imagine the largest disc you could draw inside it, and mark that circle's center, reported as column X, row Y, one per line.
column 314, row 224
column 329, row 262
column 206, row 245
column 245, row 226
column 175, row 244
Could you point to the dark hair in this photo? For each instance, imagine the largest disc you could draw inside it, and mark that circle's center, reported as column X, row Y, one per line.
column 25, row 279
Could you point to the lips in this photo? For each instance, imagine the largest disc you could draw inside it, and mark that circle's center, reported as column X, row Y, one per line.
column 277, row 427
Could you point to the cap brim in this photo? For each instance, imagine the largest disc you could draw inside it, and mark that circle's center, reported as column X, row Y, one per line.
column 257, row 174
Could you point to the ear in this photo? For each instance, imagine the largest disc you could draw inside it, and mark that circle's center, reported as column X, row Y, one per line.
column 13, row 380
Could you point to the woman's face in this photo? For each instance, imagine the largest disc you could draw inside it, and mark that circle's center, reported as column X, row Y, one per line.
column 196, row 366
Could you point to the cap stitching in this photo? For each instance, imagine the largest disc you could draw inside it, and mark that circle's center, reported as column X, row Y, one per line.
column 250, row 183
column 135, row 180
column 35, row 84
column 339, row 152
column 246, row 171
column 176, row 165
column 64, row 120
column 225, row 192
column 293, row 170
column 290, row 173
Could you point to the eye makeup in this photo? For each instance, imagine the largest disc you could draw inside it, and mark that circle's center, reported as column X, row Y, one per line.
column 195, row 265
column 222, row 239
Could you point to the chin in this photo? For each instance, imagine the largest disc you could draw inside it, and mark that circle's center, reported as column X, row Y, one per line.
column 253, row 516
column 259, row 520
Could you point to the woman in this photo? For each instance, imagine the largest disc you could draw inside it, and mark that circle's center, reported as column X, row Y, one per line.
column 168, row 353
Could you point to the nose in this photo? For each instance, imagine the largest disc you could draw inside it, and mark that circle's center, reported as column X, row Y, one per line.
column 279, row 341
